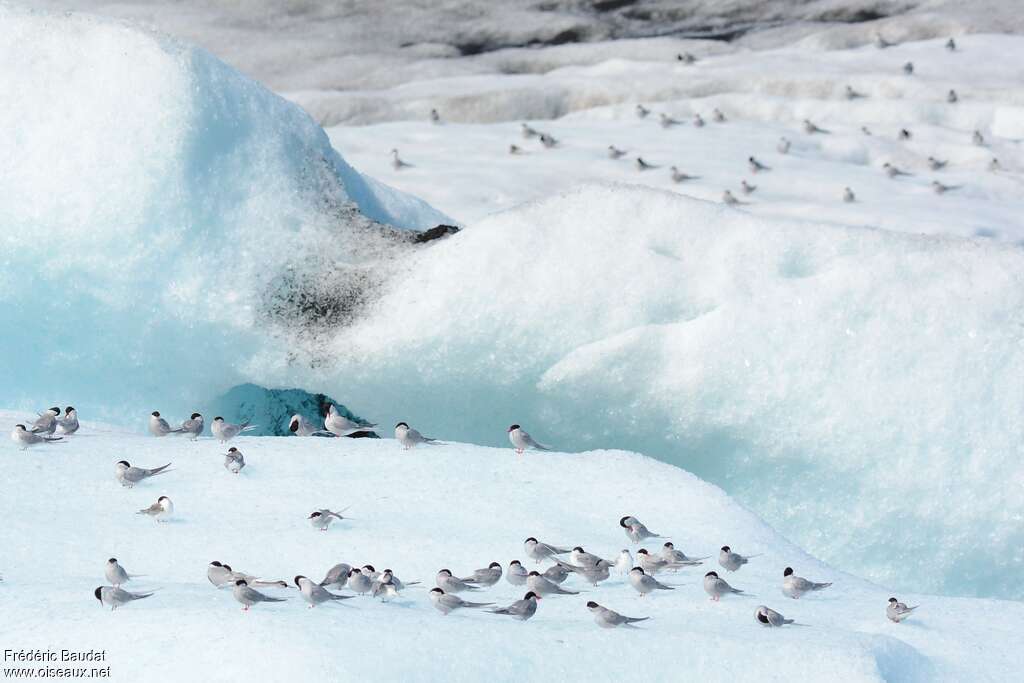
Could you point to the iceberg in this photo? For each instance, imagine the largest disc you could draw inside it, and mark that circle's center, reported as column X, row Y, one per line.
column 163, row 215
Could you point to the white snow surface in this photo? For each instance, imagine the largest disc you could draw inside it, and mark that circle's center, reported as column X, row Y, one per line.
column 456, row 506
column 858, row 388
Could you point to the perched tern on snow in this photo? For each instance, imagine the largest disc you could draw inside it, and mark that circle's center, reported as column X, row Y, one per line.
column 514, row 149
column 756, row 166
column 650, row 564
column 642, row 111
column 69, row 423
column 46, row 423
column 452, row 584
column 615, row 153
column 732, row 561
column 233, row 460
column 951, row 45
column 794, row 586
column 446, row 604
column 516, row 574
column 729, row 200
column 221, row 575
column 936, row 164
column 642, row 165
column 300, row 426
column 337, row 576
column 766, row 616
column 635, row 529
column 686, row 58
column 593, row 574
column 25, row 438
column 908, row 68
column 848, row 195
column 810, row 128
column 680, row 177
column 339, row 425
column 520, row 609
column 129, row 476
column 321, row 519
column 116, row 574
column 410, row 438
column 951, row 97
column 606, row 618
column 115, row 597
column 250, row 596
column 386, row 586
column 717, row 116
column 315, row 594
column 225, row 431
column 645, row 584
column 556, row 573
column 978, row 139
column 717, row 587
column 852, row 94
column 746, row 187
column 940, row 188
column 396, row 161
column 358, row 582
column 624, row 562
column 698, row 121
column 897, row 611
column 542, row 586
column 193, row 426
column 669, row 552
column 486, row 577
column 782, row 147
column 541, row 551
column 159, row 427
column 528, row 132
column 581, row 557
column 667, row 121
column 522, row 441
column 162, row 510
column 548, row 141
column 435, row 117
column 892, row 171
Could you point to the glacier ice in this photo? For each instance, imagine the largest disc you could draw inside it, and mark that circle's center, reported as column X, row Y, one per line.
column 164, row 215
column 858, row 388
column 270, row 410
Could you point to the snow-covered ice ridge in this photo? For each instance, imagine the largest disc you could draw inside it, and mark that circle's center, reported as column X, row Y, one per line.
column 457, row 506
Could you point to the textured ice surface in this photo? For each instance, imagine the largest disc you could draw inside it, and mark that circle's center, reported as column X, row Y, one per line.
column 456, row 506
column 158, row 208
column 858, row 388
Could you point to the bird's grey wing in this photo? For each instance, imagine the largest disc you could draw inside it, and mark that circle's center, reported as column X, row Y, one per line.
column 260, row 597
column 533, row 443
column 151, row 510
column 466, row 603
column 153, row 472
